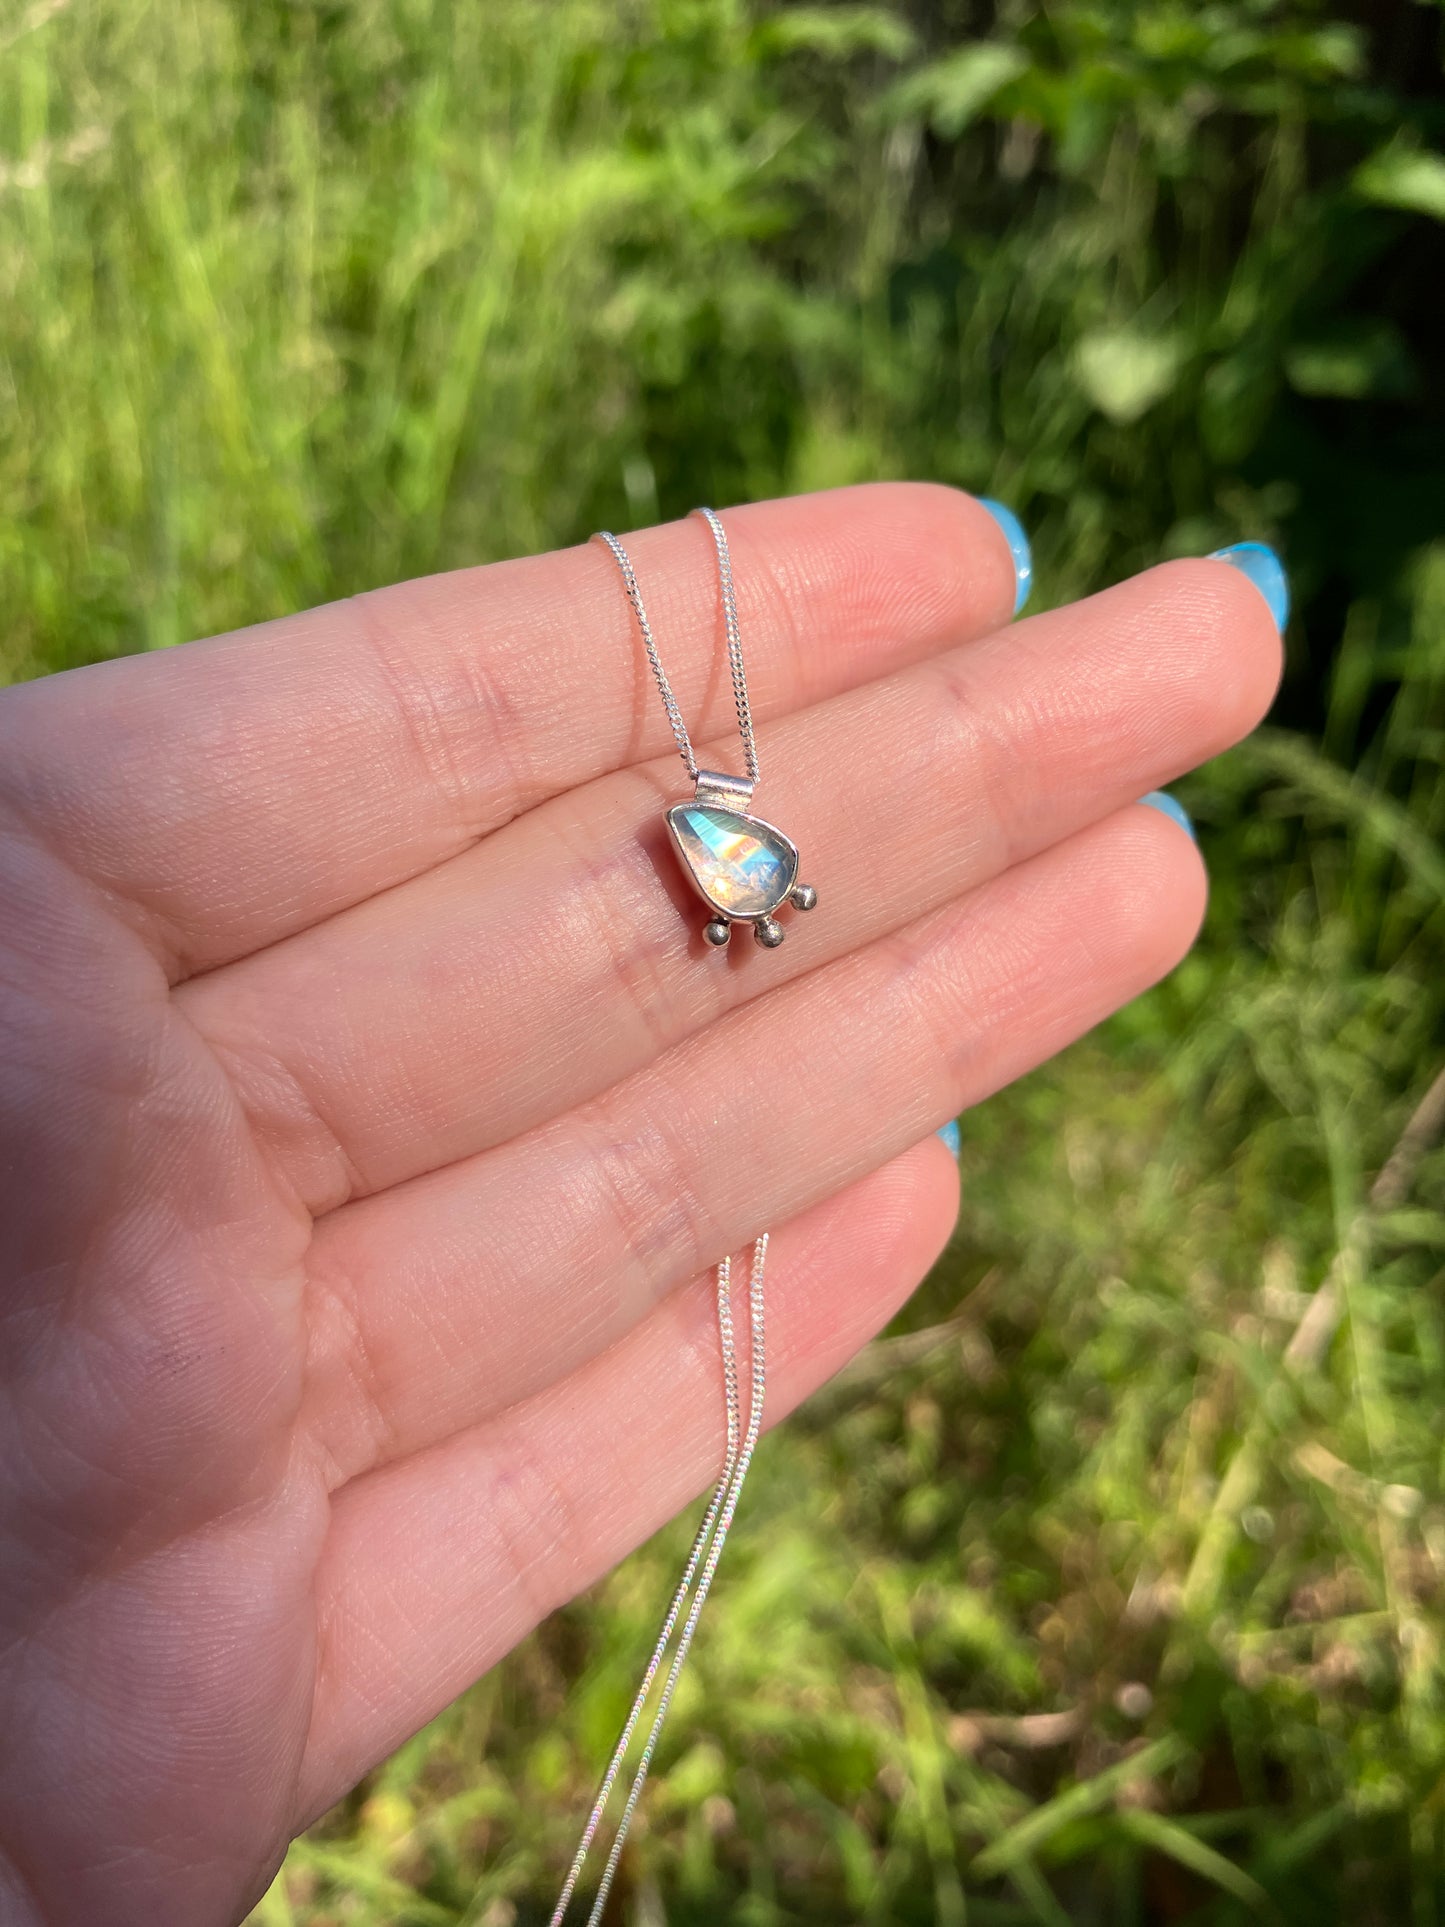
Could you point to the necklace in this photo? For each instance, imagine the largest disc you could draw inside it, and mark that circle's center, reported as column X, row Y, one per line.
column 744, row 869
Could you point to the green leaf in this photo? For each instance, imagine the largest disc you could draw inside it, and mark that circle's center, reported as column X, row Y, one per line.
column 952, row 92
column 1284, row 1850
column 1352, row 800
column 1030, row 1833
column 1124, row 371
column 1353, row 363
column 1167, row 1836
column 1404, row 176
column 839, row 32
column 354, row 1875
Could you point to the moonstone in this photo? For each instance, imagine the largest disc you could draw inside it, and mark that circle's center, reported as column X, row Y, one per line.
column 740, row 864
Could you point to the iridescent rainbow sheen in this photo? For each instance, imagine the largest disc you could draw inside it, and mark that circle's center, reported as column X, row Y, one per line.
column 742, row 865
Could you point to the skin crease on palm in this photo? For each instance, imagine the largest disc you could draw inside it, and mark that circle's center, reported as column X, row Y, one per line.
column 373, row 1112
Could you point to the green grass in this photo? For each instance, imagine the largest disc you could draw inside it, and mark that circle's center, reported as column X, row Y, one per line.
column 1107, row 1587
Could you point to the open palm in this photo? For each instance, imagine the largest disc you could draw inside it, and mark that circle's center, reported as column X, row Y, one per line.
column 372, row 1110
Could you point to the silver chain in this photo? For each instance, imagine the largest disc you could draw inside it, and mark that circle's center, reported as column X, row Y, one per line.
column 711, row 1537
column 737, row 1457
column 734, row 638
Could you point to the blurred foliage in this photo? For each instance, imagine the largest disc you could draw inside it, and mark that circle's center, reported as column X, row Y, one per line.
column 1107, row 1588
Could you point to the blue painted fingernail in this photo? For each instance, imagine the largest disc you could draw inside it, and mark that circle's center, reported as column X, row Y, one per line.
column 1019, row 548
column 1170, row 806
column 1265, row 570
column 950, row 1134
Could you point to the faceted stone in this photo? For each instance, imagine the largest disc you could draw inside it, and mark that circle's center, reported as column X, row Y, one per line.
column 740, row 864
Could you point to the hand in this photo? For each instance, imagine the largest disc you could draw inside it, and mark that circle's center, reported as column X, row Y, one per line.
column 373, row 1112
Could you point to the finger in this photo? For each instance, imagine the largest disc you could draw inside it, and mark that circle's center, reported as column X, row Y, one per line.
column 434, row 1306
column 365, row 1055
column 237, row 790
column 435, row 1568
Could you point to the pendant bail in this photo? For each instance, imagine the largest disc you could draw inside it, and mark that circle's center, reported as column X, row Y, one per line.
column 724, row 792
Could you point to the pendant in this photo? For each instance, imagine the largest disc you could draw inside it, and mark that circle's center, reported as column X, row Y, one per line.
column 743, row 868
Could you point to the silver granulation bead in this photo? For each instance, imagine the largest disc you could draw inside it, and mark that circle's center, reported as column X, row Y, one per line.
column 803, row 896
column 769, row 932
column 717, row 932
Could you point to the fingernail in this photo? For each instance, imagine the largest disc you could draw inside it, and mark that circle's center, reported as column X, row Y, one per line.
column 1019, row 548
column 1265, row 570
column 1170, row 806
column 950, row 1134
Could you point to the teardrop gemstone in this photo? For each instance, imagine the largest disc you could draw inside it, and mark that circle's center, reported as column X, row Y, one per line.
column 739, row 864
